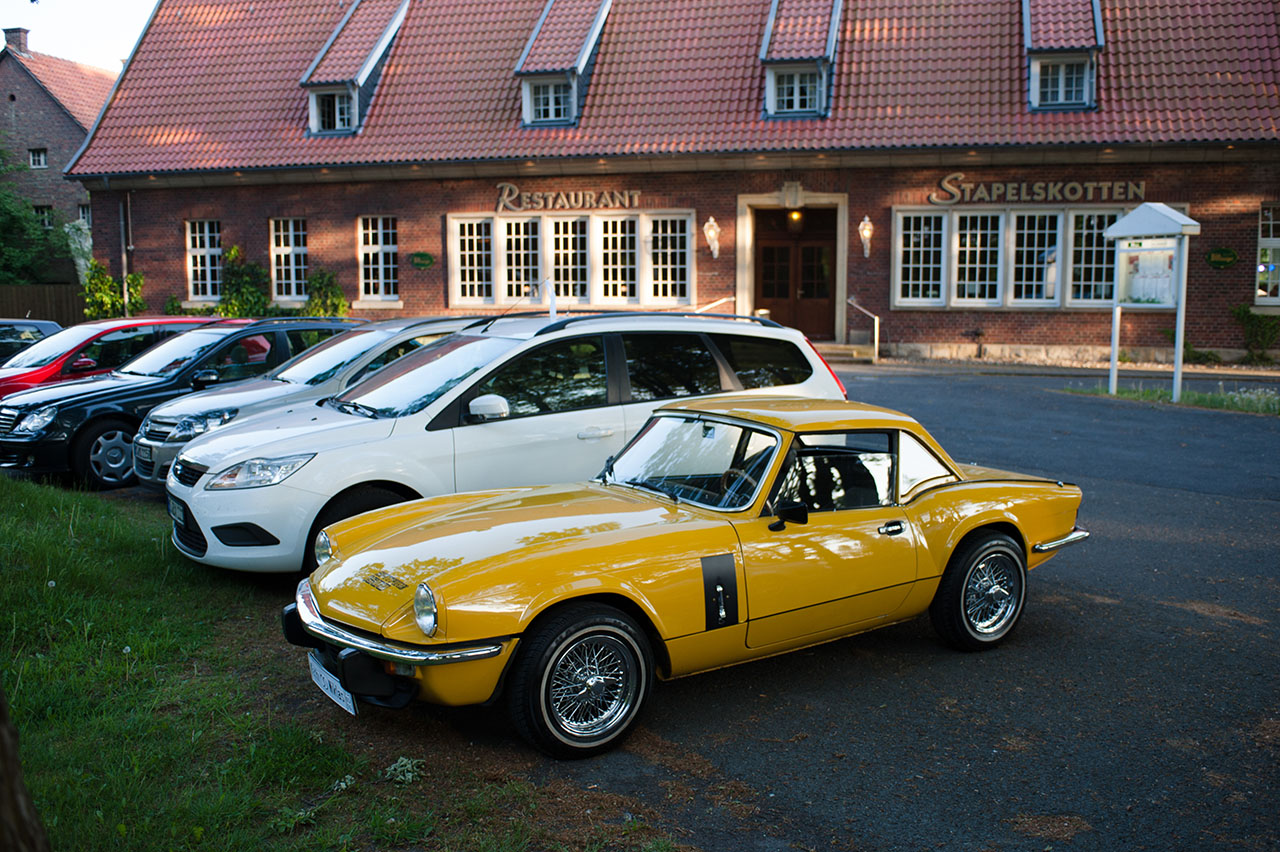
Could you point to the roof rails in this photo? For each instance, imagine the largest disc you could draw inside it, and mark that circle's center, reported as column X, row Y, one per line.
column 559, row 324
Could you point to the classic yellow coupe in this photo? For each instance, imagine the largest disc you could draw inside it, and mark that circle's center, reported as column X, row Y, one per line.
column 727, row 530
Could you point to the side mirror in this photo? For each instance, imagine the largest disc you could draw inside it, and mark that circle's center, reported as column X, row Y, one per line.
column 203, row 378
column 794, row 513
column 488, row 407
column 83, row 365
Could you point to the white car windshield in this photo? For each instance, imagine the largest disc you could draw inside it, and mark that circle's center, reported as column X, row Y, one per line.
column 46, row 351
column 170, row 356
column 708, row 462
column 411, row 383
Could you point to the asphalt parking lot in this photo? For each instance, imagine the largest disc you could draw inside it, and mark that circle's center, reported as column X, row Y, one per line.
column 1136, row 707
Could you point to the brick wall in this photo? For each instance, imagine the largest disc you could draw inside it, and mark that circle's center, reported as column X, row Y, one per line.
column 1224, row 198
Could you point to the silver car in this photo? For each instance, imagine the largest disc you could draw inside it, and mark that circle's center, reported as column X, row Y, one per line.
column 320, row 372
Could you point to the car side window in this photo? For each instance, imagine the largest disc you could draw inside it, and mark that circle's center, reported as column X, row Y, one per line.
column 763, row 362
column 301, row 340
column 112, row 349
column 837, row 471
column 243, row 359
column 560, row 376
column 664, row 366
column 919, row 467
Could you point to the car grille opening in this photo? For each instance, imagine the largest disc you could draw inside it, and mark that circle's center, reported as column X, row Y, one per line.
column 188, row 535
column 142, row 468
column 187, row 473
column 158, row 430
column 8, row 417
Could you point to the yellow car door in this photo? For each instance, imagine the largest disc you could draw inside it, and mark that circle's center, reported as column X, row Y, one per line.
column 852, row 562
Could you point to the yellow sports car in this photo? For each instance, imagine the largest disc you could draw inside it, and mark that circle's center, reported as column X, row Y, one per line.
column 727, row 530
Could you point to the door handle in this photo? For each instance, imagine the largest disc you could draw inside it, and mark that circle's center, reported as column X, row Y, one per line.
column 595, row 432
column 891, row 528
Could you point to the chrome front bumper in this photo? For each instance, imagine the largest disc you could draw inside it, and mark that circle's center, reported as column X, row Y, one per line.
column 1076, row 535
column 315, row 624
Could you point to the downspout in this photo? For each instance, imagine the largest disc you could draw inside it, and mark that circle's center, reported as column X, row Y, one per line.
column 124, row 256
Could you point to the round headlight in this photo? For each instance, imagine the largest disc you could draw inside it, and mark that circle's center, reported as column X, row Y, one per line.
column 323, row 548
column 424, row 609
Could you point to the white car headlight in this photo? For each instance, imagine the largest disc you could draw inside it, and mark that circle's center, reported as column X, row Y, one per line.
column 198, row 424
column 36, row 420
column 424, row 609
column 258, row 473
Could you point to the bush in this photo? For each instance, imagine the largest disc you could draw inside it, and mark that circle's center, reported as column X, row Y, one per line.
column 245, row 287
column 324, row 296
column 1191, row 355
column 1260, row 333
column 103, row 297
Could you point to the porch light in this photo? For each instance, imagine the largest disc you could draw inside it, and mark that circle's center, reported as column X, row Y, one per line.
column 711, row 230
column 865, row 229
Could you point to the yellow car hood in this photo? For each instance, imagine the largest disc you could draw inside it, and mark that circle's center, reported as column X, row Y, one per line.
column 487, row 555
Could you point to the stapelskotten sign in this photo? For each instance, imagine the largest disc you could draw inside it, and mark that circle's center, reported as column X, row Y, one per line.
column 953, row 189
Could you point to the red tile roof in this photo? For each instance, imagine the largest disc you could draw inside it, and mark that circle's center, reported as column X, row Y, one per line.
column 215, row 86
column 800, row 30
column 354, row 39
column 560, row 36
column 1061, row 24
column 81, row 89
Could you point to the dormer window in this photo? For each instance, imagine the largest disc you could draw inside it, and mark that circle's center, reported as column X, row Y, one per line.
column 549, row 101
column 795, row 90
column 1062, row 82
column 331, row 112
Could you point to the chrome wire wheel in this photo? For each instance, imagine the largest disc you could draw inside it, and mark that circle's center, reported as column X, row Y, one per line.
column 593, row 683
column 992, row 594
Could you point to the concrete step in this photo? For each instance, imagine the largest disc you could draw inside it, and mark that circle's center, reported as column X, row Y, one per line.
column 847, row 353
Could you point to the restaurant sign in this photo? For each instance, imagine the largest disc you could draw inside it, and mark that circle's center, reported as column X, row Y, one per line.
column 955, row 190
column 511, row 199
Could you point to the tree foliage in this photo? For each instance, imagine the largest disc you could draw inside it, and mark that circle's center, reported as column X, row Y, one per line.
column 246, row 287
column 103, row 296
column 27, row 247
column 324, row 295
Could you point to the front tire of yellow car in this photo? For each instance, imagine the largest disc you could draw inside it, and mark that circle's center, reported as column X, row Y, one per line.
column 982, row 593
column 582, row 675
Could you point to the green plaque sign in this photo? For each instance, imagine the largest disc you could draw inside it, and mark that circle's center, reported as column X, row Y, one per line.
column 421, row 260
column 1221, row 258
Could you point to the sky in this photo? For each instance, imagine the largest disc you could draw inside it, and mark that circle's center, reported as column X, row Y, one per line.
column 95, row 32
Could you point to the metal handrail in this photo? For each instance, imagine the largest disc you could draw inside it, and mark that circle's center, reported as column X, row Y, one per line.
column 717, row 303
column 875, row 329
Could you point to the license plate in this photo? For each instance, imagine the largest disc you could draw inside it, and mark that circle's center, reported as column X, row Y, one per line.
column 142, row 452
column 330, row 685
column 178, row 512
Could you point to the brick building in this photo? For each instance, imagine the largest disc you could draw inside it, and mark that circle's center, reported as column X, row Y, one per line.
column 950, row 168
column 49, row 105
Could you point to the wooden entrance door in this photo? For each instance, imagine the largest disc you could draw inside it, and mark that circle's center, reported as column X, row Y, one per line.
column 795, row 268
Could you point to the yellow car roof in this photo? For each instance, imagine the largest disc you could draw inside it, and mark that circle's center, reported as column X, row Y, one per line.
column 796, row 414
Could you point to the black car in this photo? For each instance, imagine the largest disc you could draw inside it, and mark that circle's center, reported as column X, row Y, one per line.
column 87, row 426
column 18, row 334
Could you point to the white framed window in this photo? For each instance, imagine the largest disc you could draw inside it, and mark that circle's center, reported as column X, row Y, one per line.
column 38, row 158
column 795, row 90
column 549, row 100
column 44, row 214
column 1004, row 258
column 1093, row 257
column 204, row 259
column 289, row 259
column 333, row 111
column 85, row 215
column 379, row 258
column 1062, row 82
column 590, row 259
column 1268, row 290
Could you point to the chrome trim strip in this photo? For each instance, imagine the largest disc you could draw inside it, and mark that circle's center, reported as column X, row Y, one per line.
column 314, row 623
column 1076, row 535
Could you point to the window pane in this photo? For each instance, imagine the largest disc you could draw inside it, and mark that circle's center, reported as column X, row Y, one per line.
column 834, row 472
column 670, row 258
column 562, row 376
column 1093, row 257
column 569, row 252
column 619, row 259
column 379, row 258
column 921, row 257
column 662, row 366
column 521, row 249
column 475, row 259
column 763, row 362
column 204, row 258
column 918, row 466
column 978, row 257
column 1035, row 256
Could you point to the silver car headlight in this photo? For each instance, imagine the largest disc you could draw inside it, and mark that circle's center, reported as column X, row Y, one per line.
column 258, row 473
column 198, row 424
column 424, row 609
column 323, row 548
column 36, row 420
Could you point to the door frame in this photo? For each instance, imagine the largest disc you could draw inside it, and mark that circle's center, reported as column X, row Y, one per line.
column 792, row 195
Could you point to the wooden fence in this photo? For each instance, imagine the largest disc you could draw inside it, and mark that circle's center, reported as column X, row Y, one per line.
column 62, row 303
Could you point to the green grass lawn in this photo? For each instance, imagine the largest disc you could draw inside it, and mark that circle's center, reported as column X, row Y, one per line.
column 1255, row 400
column 159, row 708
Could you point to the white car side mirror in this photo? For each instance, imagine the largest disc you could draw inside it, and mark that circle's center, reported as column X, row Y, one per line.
column 488, row 407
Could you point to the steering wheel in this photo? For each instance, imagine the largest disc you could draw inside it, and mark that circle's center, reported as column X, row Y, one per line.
column 731, row 477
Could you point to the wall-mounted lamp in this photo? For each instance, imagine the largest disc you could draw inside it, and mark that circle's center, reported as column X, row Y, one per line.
column 795, row 221
column 711, row 230
column 865, row 230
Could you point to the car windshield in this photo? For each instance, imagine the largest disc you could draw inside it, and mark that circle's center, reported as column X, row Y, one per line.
column 413, row 382
column 54, row 346
column 321, row 363
column 708, row 462
column 167, row 358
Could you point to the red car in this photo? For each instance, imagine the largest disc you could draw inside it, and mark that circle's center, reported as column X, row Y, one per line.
column 87, row 349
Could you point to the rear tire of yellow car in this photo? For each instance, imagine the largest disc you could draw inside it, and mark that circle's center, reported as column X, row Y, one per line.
column 982, row 593
column 582, row 675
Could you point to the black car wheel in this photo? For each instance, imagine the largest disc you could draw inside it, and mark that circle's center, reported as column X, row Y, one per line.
column 982, row 593
column 580, row 680
column 103, row 455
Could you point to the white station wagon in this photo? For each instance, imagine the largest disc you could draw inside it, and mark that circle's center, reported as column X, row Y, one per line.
column 506, row 402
